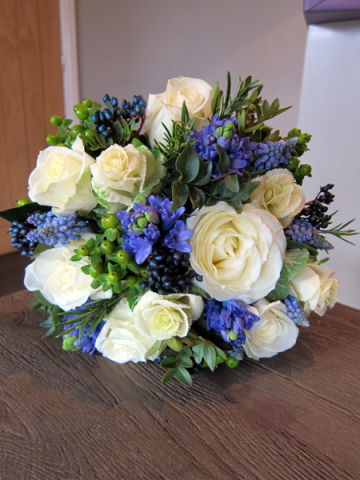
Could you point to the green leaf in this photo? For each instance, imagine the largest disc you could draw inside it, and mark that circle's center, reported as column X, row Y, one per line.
column 224, row 162
column 180, row 193
column 36, row 306
column 41, row 299
column 75, row 258
column 132, row 301
column 197, row 197
column 95, row 283
column 206, row 175
column 216, row 98
column 266, row 108
column 90, row 243
column 245, row 190
column 291, row 244
column 184, row 113
column 188, row 164
column 144, row 192
column 86, row 269
column 185, row 362
column 133, row 267
column 42, row 247
column 210, row 357
column 281, row 289
column 211, row 201
column 110, row 107
column 198, row 352
column 183, row 376
column 118, row 128
column 111, row 234
column 21, row 213
column 169, row 362
column 241, row 121
column 294, row 261
column 232, row 183
column 185, row 352
column 220, row 353
column 199, row 291
column 154, row 348
column 174, row 343
column 168, row 375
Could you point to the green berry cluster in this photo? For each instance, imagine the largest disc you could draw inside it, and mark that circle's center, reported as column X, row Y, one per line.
column 304, row 170
column 111, row 267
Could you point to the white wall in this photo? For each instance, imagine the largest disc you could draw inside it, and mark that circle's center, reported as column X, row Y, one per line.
column 330, row 110
column 130, row 47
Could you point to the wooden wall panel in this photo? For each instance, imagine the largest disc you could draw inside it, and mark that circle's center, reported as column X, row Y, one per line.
column 30, row 91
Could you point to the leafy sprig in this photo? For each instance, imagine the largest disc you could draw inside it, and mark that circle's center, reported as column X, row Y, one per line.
column 340, row 232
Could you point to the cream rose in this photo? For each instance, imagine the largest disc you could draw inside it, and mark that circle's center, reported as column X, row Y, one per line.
column 279, row 195
column 239, row 255
column 61, row 280
column 274, row 333
column 62, row 179
column 120, row 340
column 165, row 107
column 315, row 288
column 164, row 316
column 121, row 173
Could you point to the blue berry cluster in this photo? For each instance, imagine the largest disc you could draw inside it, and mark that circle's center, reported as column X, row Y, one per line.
column 127, row 111
column 19, row 240
column 87, row 340
column 315, row 212
column 295, row 312
column 272, row 154
column 222, row 132
column 301, row 230
column 229, row 319
column 51, row 229
column 154, row 224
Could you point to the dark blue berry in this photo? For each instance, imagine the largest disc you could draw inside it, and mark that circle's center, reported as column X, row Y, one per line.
column 199, row 278
column 95, row 118
column 107, row 114
column 101, row 128
column 192, row 274
column 114, row 101
column 106, row 98
column 101, row 117
column 144, row 285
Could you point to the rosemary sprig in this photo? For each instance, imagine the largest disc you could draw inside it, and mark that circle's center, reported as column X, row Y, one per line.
column 340, row 232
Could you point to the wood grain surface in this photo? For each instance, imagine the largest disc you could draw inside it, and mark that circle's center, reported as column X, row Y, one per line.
column 31, row 90
column 74, row 416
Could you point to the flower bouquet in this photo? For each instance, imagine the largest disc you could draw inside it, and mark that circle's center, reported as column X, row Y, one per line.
column 176, row 230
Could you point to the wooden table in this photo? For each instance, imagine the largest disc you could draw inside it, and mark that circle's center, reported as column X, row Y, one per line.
column 74, row 416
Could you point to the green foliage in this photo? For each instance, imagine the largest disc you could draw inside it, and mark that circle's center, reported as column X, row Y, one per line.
column 191, row 180
column 293, row 263
column 340, row 232
column 22, row 213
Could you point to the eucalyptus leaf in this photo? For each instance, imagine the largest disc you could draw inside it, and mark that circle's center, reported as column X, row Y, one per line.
column 224, row 162
column 210, row 357
column 168, row 375
column 291, row 244
column 232, row 183
column 198, row 352
column 188, row 164
column 245, row 190
column 21, row 213
column 42, row 247
column 180, row 193
column 174, row 343
column 197, row 197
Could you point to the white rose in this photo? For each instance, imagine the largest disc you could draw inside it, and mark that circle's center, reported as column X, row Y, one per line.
column 61, row 280
column 62, row 179
column 314, row 288
column 275, row 332
column 239, row 255
column 279, row 195
column 165, row 107
column 121, row 173
column 163, row 316
column 120, row 340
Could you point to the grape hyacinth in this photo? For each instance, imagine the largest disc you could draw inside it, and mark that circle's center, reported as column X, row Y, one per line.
column 295, row 312
column 300, row 230
column 87, row 340
column 229, row 319
column 51, row 229
column 272, row 154
column 222, row 132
